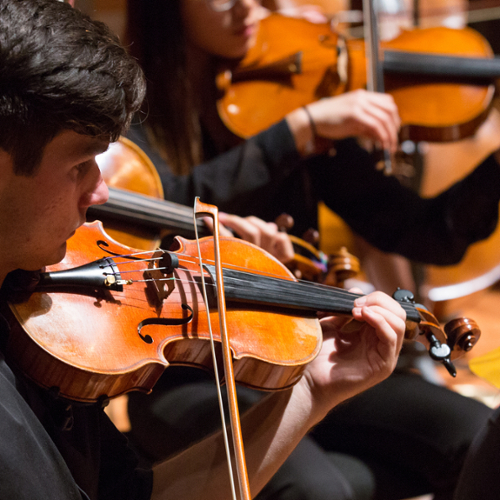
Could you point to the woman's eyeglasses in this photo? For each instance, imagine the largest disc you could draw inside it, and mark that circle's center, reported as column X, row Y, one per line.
column 223, row 5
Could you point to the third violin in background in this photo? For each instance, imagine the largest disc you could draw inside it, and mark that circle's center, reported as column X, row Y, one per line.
column 441, row 79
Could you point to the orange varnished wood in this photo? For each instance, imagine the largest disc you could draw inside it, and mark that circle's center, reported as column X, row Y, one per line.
column 89, row 346
column 430, row 109
column 342, row 266
column 125, row 166
column 267, row 84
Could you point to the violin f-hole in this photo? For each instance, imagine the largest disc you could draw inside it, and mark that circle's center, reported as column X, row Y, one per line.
column 165, row 322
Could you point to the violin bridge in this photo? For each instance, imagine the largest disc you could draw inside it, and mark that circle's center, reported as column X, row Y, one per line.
column 159, row 276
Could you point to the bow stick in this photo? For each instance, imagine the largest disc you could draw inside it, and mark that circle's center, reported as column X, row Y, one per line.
column 203, row 209
column 374, row 70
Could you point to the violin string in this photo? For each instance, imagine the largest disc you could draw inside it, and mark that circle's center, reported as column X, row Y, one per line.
column 314, row 285
column 408, row 307
column 305, row 292
column 306, row 289
column 208, row 261
column 127, row 200
column 151, row 259
column 180, row 280
column 136, row 261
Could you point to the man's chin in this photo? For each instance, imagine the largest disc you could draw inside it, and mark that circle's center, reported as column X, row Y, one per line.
column 57, row 256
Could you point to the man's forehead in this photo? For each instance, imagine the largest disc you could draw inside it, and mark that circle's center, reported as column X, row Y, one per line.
column 76, row 144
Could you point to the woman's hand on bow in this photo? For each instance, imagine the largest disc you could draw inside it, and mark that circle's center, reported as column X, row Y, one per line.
column 367, row 115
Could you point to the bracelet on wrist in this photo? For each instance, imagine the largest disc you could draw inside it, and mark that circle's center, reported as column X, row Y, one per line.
column 318, row 144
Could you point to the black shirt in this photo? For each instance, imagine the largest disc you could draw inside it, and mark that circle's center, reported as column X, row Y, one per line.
column 265, row 176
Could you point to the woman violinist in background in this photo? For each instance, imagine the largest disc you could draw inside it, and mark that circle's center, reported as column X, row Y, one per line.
column 406, row 436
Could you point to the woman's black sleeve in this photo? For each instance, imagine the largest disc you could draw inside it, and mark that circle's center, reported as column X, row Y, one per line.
column 244, row 175
column 395, row 219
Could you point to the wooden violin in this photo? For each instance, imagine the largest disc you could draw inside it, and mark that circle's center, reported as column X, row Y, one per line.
column 137, row 215
column 109, row 319
column 440, row 78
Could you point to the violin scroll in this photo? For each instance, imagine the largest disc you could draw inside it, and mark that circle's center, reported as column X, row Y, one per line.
column 463, row 334
column 458, row 336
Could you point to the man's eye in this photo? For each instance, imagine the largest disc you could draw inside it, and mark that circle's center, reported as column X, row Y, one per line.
column 82, row 167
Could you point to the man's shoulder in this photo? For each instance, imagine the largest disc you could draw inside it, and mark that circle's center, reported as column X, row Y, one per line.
column 31, row 467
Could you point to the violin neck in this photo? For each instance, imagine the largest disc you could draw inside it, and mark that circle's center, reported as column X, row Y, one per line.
column 457, row 69
column 158, row 214
column 150, row 212
column 277, row 292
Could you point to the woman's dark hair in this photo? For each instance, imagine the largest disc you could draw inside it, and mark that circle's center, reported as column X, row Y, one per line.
column 155, row 36
column 59, row 70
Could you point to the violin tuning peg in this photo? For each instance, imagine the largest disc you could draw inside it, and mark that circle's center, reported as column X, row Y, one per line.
column 450, row 367
column 284, row 222
column 402, row 295
column 341, row 266
column 311, row 236
column 441, row 352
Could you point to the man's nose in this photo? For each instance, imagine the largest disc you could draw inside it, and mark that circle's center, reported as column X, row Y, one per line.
column 97, row 195
column 100, row 194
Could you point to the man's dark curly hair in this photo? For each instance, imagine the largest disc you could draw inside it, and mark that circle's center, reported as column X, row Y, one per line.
column 60, row 70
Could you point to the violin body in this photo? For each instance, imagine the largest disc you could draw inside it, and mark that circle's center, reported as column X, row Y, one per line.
column 108, row 319
column 88, row 342
column 126, row 167
column 434, row 105
column 294, row 63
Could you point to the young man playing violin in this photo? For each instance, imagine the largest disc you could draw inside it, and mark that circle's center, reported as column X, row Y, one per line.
column 68, row 89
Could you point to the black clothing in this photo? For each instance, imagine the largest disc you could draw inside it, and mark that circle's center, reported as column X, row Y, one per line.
column 53, row 449
column 480, row 478
column 412, row 434
column 265, row 177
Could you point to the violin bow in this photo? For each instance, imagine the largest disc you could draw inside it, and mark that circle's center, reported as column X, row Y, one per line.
column 374, row 70
column 203, row 209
